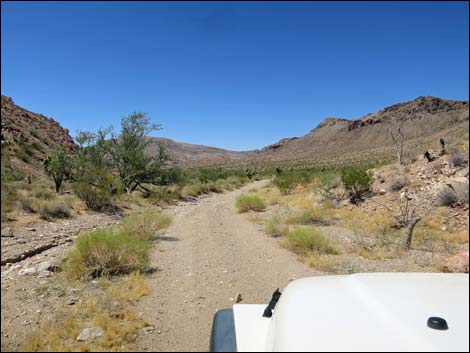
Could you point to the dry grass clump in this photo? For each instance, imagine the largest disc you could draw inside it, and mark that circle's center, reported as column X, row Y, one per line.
column 52, row 209
column 275, row 227
column 43, row 193
column 108, row 307
column 305, row 240
column 323, row 262
column 192, row 190
column 106, row 252
column 246, row 203
column 27, row 203
column 313, row 215
column 145, row 225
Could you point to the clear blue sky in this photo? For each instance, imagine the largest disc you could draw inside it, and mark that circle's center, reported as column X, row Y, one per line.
column 232, row 75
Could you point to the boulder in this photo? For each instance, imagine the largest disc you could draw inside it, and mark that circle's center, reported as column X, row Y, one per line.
column 457, row 263
column 52, row 266
column 90, row 334
column 27, row 271
column 7, row 232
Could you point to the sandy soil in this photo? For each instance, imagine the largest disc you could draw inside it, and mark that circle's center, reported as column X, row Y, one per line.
column 207, row 256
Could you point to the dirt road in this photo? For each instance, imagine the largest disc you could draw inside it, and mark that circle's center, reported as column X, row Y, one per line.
column 207, row 256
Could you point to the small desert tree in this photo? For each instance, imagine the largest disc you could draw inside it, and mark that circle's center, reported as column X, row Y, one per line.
column 407, row 216
column 357, row 182
column 94, row 182
column 398, row 137
column 127, row 151
column 57, row 166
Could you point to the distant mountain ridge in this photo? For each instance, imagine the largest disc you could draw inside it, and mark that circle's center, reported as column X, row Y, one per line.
column 189, row 155
column 424, row 120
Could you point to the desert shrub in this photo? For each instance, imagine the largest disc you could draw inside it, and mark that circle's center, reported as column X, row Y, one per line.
column 43, row 193
column 37, row 146
column 328, row 182
column 275, row 227
column 194, row 189
column 286, row 182
column 398, row 183
column 317, row 215
column 164, row 194
column 34, row 132
column 96, row 199
column 105, row 252
column 357, row 181
column 305, row 240
column 8, row 197
column 25, row 151
column 457, row 160
column 211, row 174
column 447, row 196
column 145, row 225
column 50, row 209
column 232, row 182
column 210, row 186
column 28, row 203
column 172, row 176
column 245, row 203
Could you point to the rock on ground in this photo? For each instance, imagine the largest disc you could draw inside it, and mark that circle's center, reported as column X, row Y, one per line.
column 89, row 334
column 457, row 263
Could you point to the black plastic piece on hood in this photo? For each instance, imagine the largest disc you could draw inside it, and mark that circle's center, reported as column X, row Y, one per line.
column 268, row 312
column 223, row 337
column 437, row 323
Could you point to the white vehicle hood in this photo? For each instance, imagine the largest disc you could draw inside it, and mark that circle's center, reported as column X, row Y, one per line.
column 361, row 312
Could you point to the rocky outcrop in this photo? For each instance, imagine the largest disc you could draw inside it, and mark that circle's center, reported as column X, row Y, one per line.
column 28, row 136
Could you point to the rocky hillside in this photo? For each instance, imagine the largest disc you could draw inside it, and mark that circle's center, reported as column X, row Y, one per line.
column 28, row 136
column 423, row 120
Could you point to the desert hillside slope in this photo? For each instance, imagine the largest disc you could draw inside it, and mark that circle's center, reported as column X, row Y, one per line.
column 337, row 138
column 29, row 136
column 188, row 155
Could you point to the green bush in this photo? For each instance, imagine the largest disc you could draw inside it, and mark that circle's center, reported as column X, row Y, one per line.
column 50, row 209
column 211, row 174
column 25, row 152
column 357, row 181
column 286, row 182
column 305, row 240
column 245, row 203
column 37, row 146
column 107, row 252
column 145, row 225
column 172, row 176
column 96, row 199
